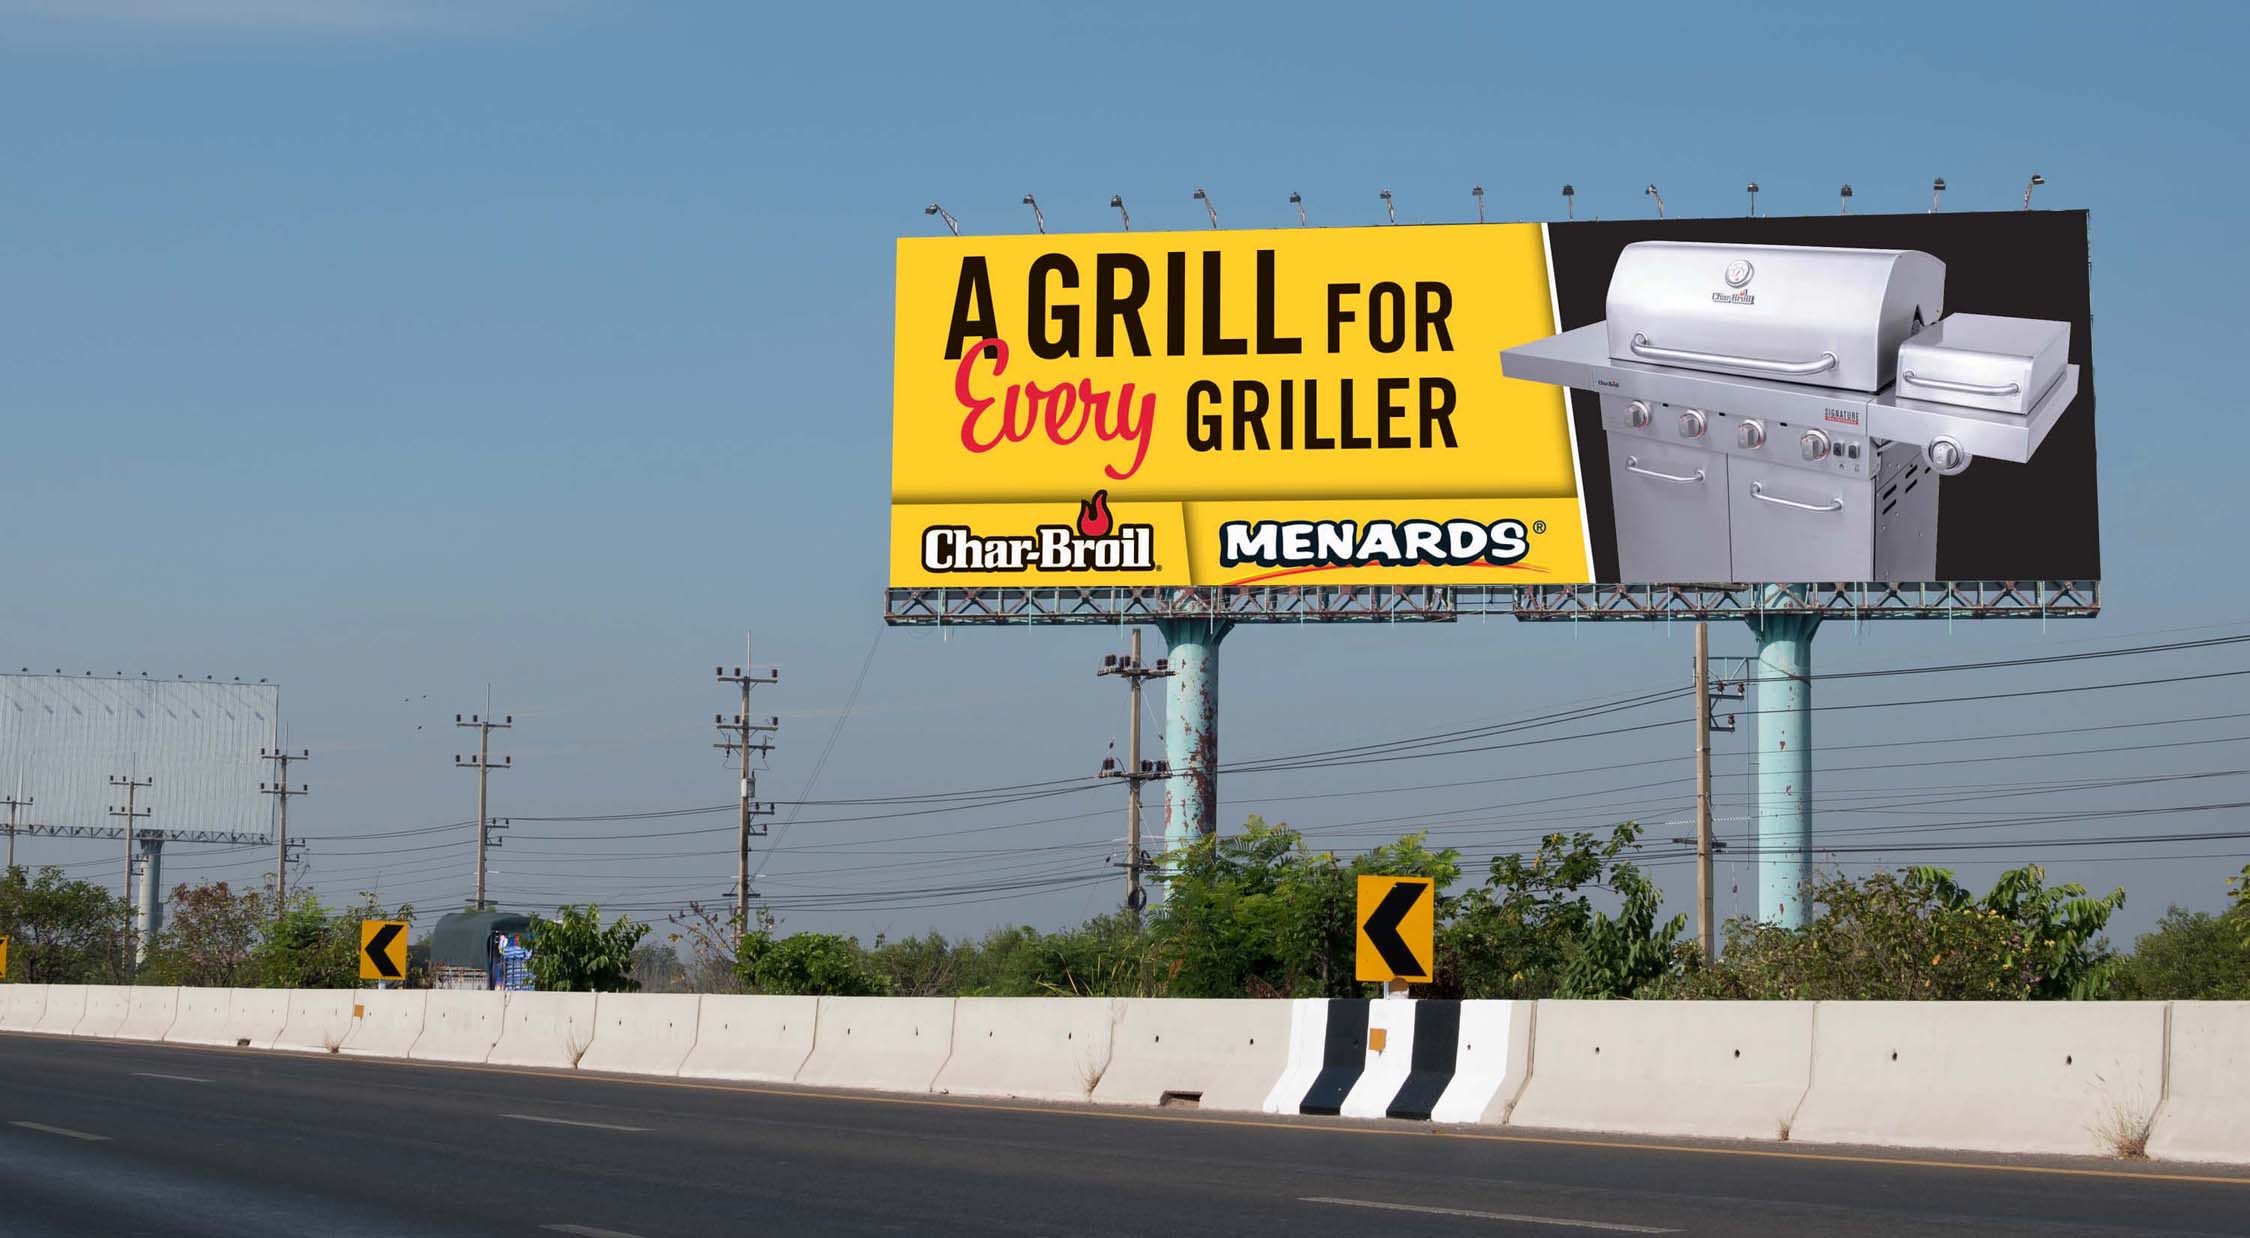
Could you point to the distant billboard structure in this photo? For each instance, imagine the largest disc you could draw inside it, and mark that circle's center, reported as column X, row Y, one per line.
column 62, row 738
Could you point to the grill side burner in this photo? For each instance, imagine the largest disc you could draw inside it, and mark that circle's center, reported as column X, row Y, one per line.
column 1749, row 396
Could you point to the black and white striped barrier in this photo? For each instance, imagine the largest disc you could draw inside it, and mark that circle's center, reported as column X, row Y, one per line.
column 1442, row 1061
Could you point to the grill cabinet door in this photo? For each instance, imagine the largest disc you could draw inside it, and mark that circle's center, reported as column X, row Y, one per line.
column 1671, row 505
column 1795, row 525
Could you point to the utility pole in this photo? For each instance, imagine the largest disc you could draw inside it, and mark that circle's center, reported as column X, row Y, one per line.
column 738, row 743
column 1706, row 694
column 282, row 793
column 482, row 764
column 131, row 811
column 13, row 803
column 1136, row 771
column 1704, row 931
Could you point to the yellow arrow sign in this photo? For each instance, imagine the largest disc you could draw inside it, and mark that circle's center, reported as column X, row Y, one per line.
column 382, row 949
column 1397, row 928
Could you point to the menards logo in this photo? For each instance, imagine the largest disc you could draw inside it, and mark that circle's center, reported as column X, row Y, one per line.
column 1094, row 543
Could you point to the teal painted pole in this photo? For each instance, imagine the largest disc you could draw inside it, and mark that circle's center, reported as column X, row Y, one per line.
column 1191, row 729
column 1781, row 764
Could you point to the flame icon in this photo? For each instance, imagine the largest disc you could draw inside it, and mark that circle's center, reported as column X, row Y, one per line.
column 1093, row 515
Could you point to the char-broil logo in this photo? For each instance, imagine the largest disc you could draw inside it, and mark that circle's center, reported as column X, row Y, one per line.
column 1095, row 542
column 1738, row 274
column 1378, row 543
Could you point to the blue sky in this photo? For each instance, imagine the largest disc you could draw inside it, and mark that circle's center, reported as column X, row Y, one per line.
column 398, row 349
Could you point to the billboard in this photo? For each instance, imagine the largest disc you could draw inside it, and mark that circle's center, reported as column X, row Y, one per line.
column 63, row 737
column 1838, row 399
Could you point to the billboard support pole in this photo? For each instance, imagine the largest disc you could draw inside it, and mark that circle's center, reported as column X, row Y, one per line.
column 1781, row 761
column 1191, row 729
column 148, row 917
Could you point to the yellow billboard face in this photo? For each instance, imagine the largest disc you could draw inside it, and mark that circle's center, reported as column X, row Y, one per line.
column 1227, row 408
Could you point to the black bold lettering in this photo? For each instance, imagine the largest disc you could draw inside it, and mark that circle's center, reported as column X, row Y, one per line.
column 1216, row 344
column 1063, row 316
column 1250, row 413
column 1432, row 302
column 1437, row 409
column 1379, row 317
column 1111, row 305
column 1268, row 342
column 1389, row 409
column 1337, row 314
column 1175, row 304
column 971, row 321
column 1203, row 429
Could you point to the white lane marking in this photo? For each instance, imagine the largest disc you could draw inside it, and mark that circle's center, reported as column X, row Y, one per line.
column 1516, row 1217
column 598, row 1126
column 150, row 1074
column 588, row 1231
column 64, row 1131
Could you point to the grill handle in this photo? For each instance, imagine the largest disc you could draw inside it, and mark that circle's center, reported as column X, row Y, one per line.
column 1763, row 365
column 1633, row 465
column 1947, row 384
column 1758, row 492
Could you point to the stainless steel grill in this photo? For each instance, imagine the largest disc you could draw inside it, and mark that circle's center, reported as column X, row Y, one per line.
column 1786, row 413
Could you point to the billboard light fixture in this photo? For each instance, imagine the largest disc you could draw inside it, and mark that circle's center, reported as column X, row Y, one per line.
column 945, row 215
column 1753, row 188
column 1937, row 190
column 1209, row 206
column 1844, row 200
column 1651, row 192
column 1118, row 200
column 1038, row 217
column 1298, row 200
column 1390, row 211
column 2035, row 182
column 1477, row 192
column 1569, row 203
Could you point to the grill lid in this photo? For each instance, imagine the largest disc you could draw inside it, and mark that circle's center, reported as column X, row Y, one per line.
column 1825, row 317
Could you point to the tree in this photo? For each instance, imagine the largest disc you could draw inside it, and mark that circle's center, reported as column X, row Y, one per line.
column 310, row 947
column 573, row 953
column 62, row 931
column 1533, row 931
column 820, row 964
column 209, row 939
column 656, row 968
column 2189, row 956
column 1917, row 935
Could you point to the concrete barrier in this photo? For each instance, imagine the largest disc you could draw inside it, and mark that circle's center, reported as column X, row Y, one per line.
column 544, row 1029
column 1210, row 1053
column 2207, row 1116
column 202, row 1019
column 756, row 1039
column 66, row 1005
column 106, row 1008
column 21, row 1005
column 149, row 1013
column 891, row 1044
column 386, row 1022
column 318, row 1020
column 1494, row 1062
column 1389, row 1058
column 642, row 1033
column 1308, row 1048
column 461, row 1025
column 1734, row 1070
column 255, row 1017
column 1039, row 1048
column 2053, row 1077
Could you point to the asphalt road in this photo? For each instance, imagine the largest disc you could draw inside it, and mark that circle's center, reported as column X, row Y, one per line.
column 101, row 1138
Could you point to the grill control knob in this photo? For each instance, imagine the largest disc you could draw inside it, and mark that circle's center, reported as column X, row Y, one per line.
column 1751, row 435
column 1637, row 414
column 1815, row 444
column 1691, row 424
column 1946, row 456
